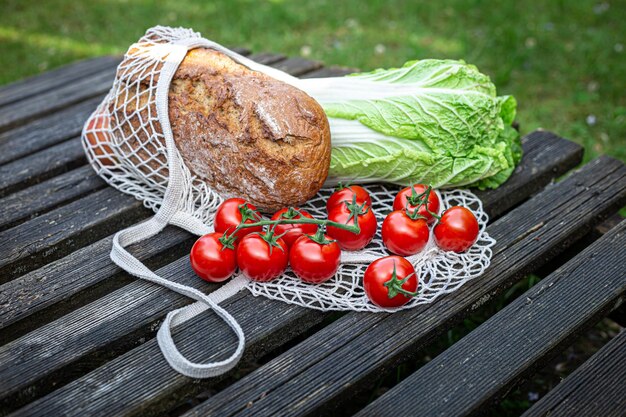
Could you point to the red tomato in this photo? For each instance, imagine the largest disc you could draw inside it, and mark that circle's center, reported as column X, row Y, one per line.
column 211, row 260
column 403, row 235
column 98, row 137
column 257, row 261
column 231, row 213
column 346, row 239
column 346, row 194
column 406, row 198
column 293, row 231
column 312, row 261
column 457, row 230
column 381, row 272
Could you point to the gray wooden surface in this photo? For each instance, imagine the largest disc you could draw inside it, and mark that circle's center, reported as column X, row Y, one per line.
column 483, row 365
column 596, row 389
column 77, row 333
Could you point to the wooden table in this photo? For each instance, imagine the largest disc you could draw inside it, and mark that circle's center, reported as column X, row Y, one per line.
column 77, row 334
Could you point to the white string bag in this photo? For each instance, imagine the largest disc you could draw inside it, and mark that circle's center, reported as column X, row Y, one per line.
column 136, row 154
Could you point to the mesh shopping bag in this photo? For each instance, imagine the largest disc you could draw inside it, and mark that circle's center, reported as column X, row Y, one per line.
column 129, row 142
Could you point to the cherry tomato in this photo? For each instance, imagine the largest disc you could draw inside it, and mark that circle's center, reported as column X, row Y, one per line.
column 98, row 137
column 345, row 194
column 257, row 261
column 312, row 261
column 346, row 239
column 230, row 214
column 403, row 235
column 407, row 196
column 293, row 231
column 381, row 271
column 211, row 260
column 457, row 230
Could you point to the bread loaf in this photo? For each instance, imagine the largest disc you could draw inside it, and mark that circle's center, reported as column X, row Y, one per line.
column 244, row 133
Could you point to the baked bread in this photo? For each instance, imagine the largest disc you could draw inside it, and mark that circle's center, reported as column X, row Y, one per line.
column 242, row 132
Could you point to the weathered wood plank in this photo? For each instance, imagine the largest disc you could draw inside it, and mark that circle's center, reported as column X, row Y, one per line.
column 61, row 231
column 142, row 379
column 32, row 169
column 50, row 291
column 260, row 339
column 267, row 58
column 55, row 78
column 240, row 50
column 57, row 99
column 352, row 350
column 38, row 199
column 486, row 363
column 297, row 66
column 40, row 166
column 595, row 389
column 93, row 328
column 46, row 131
column 545, row 154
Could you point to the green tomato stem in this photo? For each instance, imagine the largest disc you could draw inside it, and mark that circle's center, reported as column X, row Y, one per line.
column 354, row 228
column 394, row 285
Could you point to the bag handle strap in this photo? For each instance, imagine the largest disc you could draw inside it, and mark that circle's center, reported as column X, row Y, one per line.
column 169, row 213
column 128, row 262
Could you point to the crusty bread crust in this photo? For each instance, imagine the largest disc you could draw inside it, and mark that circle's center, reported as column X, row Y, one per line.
column 246, row 134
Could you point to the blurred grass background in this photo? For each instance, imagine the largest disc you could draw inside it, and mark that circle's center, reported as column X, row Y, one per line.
column 564, row 61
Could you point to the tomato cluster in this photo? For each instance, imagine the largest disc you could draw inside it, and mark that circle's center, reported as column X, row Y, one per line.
column 391, row 281
column 406, row 230
column 262, row 249
column 292, row 237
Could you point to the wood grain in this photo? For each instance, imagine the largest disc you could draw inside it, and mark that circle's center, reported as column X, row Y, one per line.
column 45, row 132
column 56, row 78
column 43, row 295
column 61, row 231
column 595, row 389
column 546, row 156
column 487, row 362
column 40, row 166
column 48, row 95
column 43, row 197
column 56, row 99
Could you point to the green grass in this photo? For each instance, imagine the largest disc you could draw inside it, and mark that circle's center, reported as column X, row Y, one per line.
column 564, row 61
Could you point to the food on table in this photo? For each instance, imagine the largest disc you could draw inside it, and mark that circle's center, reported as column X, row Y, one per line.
column 290, row 232
column 416, row 197
column 390, row 282
column 213, row 257
column 457, row 230
column 233, row 212
column 431, row 121
column 99, row 137
column 345, row 194
column 244, row 133
column 405, row 233
column 345, row 214
column 315, row 259
column 262, row 257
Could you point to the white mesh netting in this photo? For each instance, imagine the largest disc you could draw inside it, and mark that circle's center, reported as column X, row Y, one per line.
column 128, row 140
column 438, row 271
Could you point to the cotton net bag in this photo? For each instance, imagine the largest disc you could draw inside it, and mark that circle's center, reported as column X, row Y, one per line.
column 136, row 154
